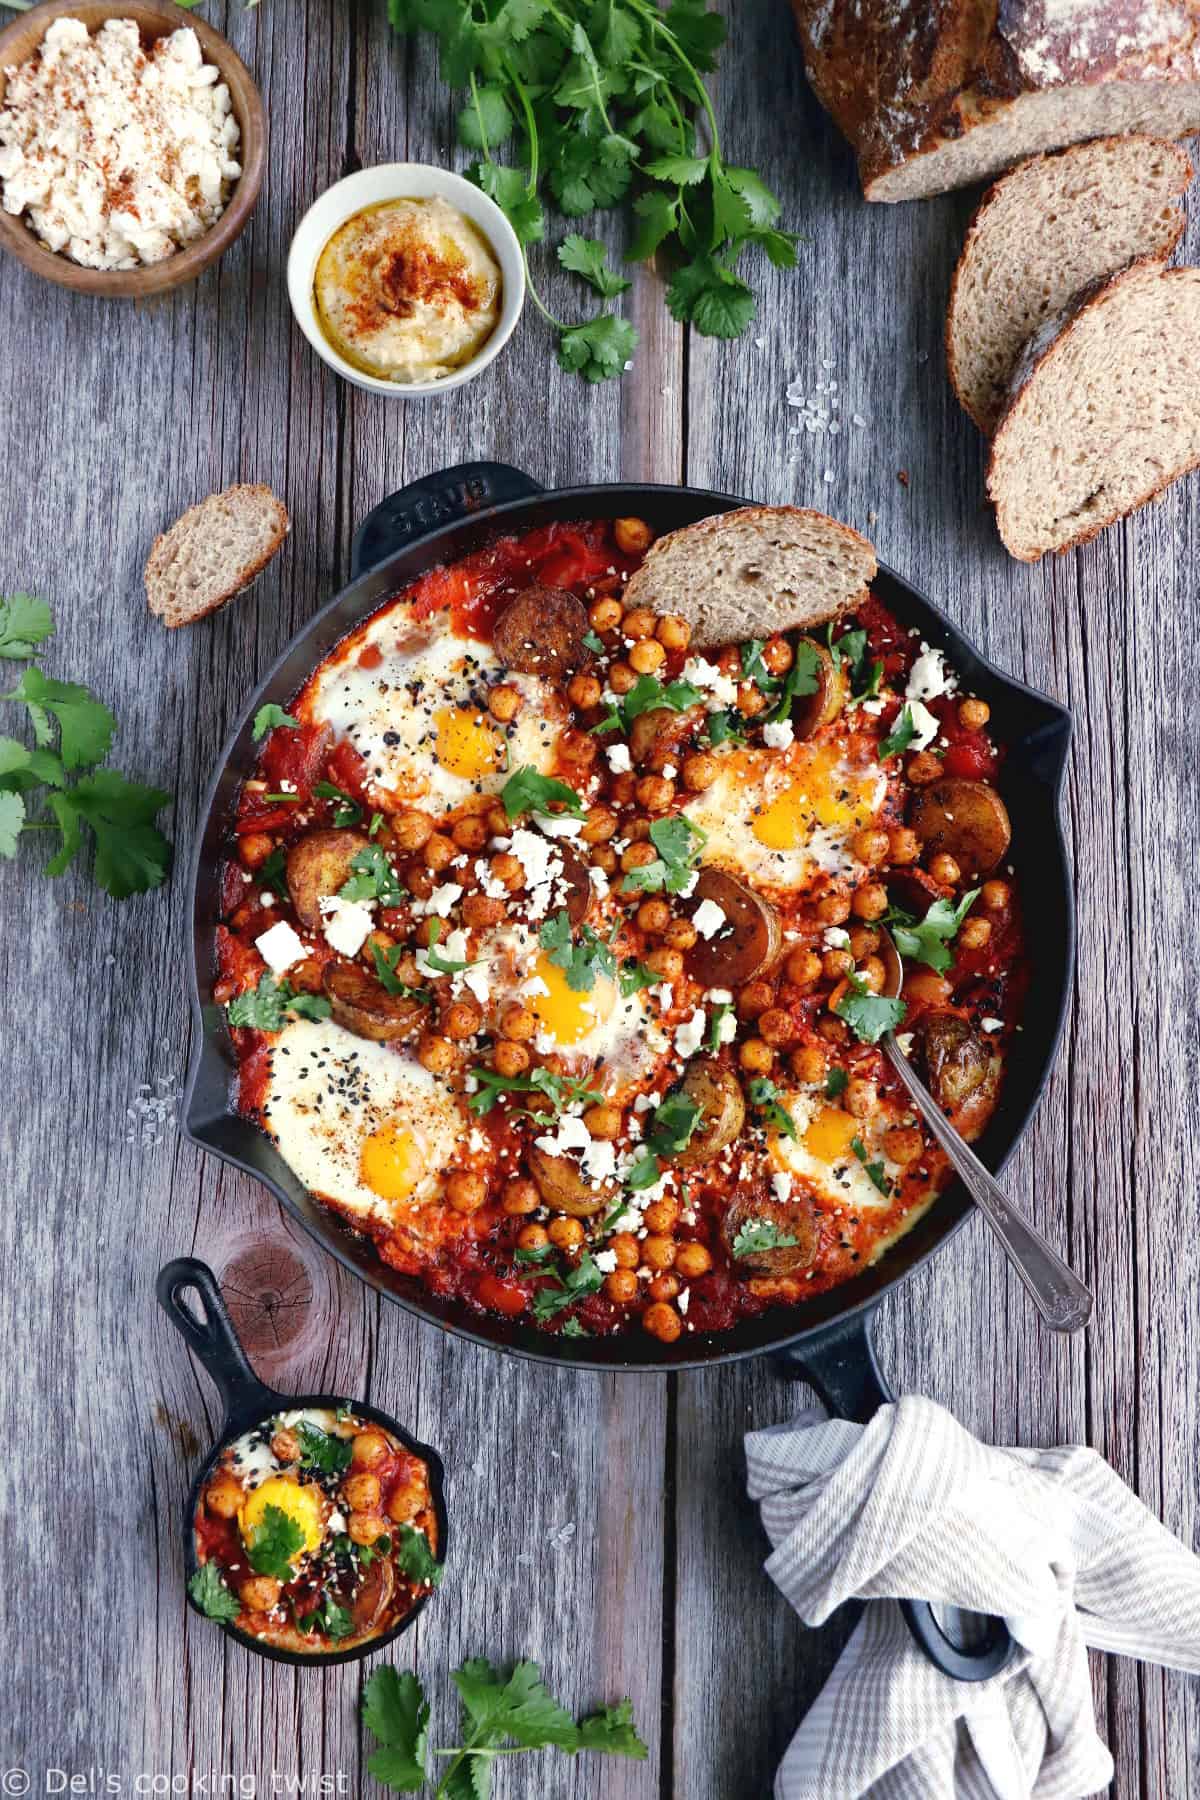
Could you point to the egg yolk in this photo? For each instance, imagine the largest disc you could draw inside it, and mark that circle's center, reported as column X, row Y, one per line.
column 302, row 1505
column 391, row 1163
column 467, row 745
column 829, row 1135
column 567, row 1015
column 821, row 793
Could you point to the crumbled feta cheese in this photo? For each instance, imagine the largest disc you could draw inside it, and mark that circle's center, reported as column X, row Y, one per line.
column 689, row 886
column 619, row 760
column 670, row 771
column 347, row 923
column 708, row 918
column 605, row 1261
column 726, row 1028
column 280, row 948
column 599, row 1161
column 992, row 1024
column 443, row 898
column 599, row 880
column 836, row 938
column 476, row 980
column 719, row 996
column 929, row 677
column 684, row 1300
column 558, row 825
column 781, row 1186
column 904, row 1041
column 706, row 676
column 874, row 707
column 570, row 1135
column 690, row 1035
column 664, row 994
column 778, row 734
column 927, row 726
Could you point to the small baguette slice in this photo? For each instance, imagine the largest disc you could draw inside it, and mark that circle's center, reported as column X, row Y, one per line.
column 1050, row 228
column 753, row 572
column 1104, row 411
column 214, row 551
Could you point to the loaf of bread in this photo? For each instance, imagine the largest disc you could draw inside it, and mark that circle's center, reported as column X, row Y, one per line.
column 936, row 94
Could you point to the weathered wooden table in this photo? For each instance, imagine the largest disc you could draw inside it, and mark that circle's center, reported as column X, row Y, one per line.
column 601, row 1523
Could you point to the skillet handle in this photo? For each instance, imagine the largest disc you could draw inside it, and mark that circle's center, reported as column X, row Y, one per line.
column 212, row 1338
column 842, row 1365
column 436, row 500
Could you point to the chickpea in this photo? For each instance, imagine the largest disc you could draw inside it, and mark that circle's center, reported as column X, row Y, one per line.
column 638, row 856
column 834, row 909
column 755, row 1056
column 626, row 1249
column 700, row 770
column 465, row 1192
column 927, row 987
column 655, row 793
column 944, row 869
column 604, row 858
column 834, row 1031
column 605, row 615
column 470, row 834
column 903, row 1144
column 777, row 655
column 750, row 700
column 638, row 830
column 621, row 788
column 439, row 852
column 509, row 1059
column 498, row 821
column 871, row 901
column 692, row 1260
column 260, row 1593
column 778, row 1028
column 603, row 1121
column 633, row 536
column 599, row 824
column 975, row 934
column 621, row 1285
column 565, row 1234
column 638, row 623
column 754, row 999
column 435, row 1053
column 658, row 1252
column 584, row 690
column 660, row 1216
column 504, row 702
column 361, row 1492
column 836, row 963
column 254, row 849
column 873, row 975
column 662, row 1322
column 904, row 846
column 364, row 1528
column 368, row 1448
column 427, row 930
column 860, row 1097
column 480, row 911
column 532, row 1237
column 995, row 895
column 508, row 870
column 375, row 940
column 802, row 967
column 647, row 657
column 578, row 749
column 418, row 880
column 517, row 1023
column 285, row 1446
column 520, row 1197
column 621, row 678
column 663, row 1287
column 461, row 1020
column 411, row 830
column 224, row 1497
column 404, row 1503
column 680, row 934
column 871, row 847
column 672, row 632
column 863, row 942
column 974, row 714
column 666, row 964
column 923, row 768
column 808, row 1064
column 653, row 917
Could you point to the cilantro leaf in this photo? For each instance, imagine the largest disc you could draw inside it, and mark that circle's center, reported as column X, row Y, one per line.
column 519, row 1708
column 509, row 188
column 836, row 1082
column 600, row 349
column 725, row 727
column 528, row 791
column 486, row 121
column 671, row 1131
column 132, row 855
column 900, row 737
column 24, row 624
column 372, row 878
column 12, row 818
column 763, row 1095
column 868, row 1015
column 445, row 965
column 560, row 1091
column 803, row 677
column 85, row 724
column 415, row 1558
column 274, row 1544
column 207, row 1588
column 322, row 1450
column 584, row 1278
column 265, row 1007
column 684, row 171
column 929, row 941
column 716, row 1019
column 385, row 968
column 635, row 976
column 588, row 257
column 648, row 692
column 658, row 215
column 268, row 717
column 679, row 844
column 874, row 1170
column 395, row 1711
column 611, row 1729
column 273, row 872
column 711, row 297
column 583, row 962
column 347, row 811
column 761, row 1234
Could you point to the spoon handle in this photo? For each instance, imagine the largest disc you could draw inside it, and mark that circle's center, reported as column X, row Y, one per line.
column 1060, row 1297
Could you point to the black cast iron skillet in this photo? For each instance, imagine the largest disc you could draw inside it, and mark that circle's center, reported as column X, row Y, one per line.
column 248, row 1402
column 828, row 1340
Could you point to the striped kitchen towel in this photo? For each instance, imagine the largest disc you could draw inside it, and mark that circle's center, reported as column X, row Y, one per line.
column 912, row 1504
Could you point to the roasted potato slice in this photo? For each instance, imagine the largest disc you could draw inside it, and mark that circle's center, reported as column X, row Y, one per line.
column 717, row 1091
column 957, row 1060
column 364, row 1006
column 317, row 867
column 563, row 1187
column 374, row 1596
column 791, row 1218
column 749, row 940
column 577, row 882
column 966, row 819
column 541, row 632
column 823, row 705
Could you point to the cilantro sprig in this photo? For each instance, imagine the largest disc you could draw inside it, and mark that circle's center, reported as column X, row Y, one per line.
column 761, row 1234
column 385, row 961
column 267, row 1006
column 558, row 1091
column 594, row 104
column 763, row 1096
column 874, row 1170
column 575, row 1283
column 647, row 694
column 215, row 1600
column 584, row 962
column 501, row 1715
column 347, row 811
column 526, row 790
column 372, row 877
column 868, row 1015
column 322, row 1450
column 274, row 1544
column 269, row 717
column 72, row 734
column 679, row 844
column 929, row 939
column 674, row 1124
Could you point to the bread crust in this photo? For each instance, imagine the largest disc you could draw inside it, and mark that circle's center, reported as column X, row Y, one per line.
column 158, row 563
column 1040, row 353
column 995, row 193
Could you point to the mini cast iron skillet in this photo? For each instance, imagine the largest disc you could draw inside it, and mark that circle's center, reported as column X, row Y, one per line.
column 248, row 1402
column 827, row 1341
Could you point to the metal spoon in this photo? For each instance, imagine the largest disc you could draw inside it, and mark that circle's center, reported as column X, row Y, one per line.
column 1060, row 1297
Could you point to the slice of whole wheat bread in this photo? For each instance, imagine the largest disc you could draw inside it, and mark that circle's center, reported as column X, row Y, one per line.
column 1104, row 411
column 1050, row 228
column 758, row 570
column 214, row 551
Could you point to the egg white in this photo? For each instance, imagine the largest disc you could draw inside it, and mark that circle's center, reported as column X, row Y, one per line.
column 419, row 718
column 329, row 1091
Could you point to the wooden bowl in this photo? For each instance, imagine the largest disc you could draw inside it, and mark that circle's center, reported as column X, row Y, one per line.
column 155, row 19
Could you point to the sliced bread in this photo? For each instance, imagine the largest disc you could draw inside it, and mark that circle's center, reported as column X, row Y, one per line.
column 1055, row 225
column 758, row 570
column 214, row 551
column 1104, row 411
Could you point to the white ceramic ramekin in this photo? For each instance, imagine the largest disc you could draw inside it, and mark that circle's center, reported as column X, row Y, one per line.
column 403, row 181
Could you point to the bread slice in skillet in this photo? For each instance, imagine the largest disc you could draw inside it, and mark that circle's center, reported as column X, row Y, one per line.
column 1050, row 228
column 1104, row 411
column 213, row 552
column 759, row 570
